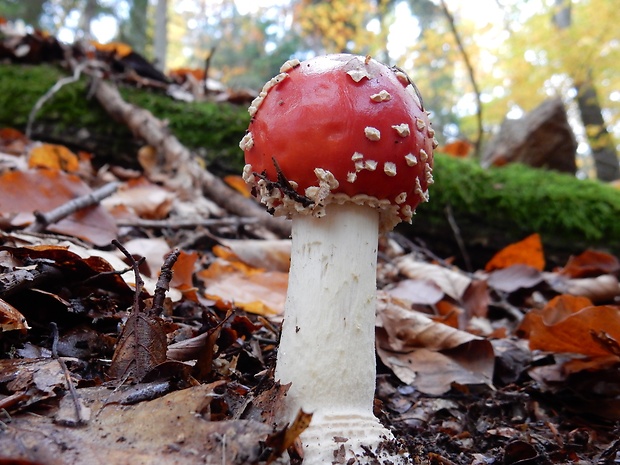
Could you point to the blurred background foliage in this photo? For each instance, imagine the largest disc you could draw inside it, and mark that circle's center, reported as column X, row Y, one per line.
column 474, row 61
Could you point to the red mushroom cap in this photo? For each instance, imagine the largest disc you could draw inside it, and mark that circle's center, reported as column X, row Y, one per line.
column 339, row 128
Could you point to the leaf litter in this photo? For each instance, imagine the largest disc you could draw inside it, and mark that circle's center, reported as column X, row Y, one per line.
column 510, row 364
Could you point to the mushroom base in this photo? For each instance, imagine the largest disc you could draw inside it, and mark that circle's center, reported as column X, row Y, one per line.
column 350, row 439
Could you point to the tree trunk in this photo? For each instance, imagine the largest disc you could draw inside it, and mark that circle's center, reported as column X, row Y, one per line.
column 603, row 150
column 133, row 31
column 161, row 34
column 601, row 143
column 90, row 9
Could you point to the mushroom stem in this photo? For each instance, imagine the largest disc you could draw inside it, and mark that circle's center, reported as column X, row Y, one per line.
column 327, row 347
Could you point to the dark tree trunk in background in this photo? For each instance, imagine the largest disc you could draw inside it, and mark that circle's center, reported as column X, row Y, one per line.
column 601, row 143
column 88, row 14
column 603, row 150
column 133, row 31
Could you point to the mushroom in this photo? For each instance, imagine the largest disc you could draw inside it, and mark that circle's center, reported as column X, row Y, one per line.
column 330, row 145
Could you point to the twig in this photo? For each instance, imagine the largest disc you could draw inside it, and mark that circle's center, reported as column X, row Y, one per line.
column 43, row 220
column 75, row 397
column 186, row 224
column 457, row 236
column 77, row 71
column 163, row 283
column 136, row 272
column 470, row 70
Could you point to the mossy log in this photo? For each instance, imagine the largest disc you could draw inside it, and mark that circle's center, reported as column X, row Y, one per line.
column 74, row 118
column 484, row 208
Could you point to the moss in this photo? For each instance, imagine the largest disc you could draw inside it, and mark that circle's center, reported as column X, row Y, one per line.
column 523, row 200
column 213, row 129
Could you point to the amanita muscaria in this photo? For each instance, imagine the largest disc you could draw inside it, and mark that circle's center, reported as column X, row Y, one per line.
column 343, row 146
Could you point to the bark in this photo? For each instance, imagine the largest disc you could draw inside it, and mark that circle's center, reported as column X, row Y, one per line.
column 601, row 143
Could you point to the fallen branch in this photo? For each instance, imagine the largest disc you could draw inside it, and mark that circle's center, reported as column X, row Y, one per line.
column 186, row 175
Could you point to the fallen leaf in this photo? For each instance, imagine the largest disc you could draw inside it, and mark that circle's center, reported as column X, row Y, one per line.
column 238, row 184
column 171, row 430
column 514, row 277
column 271, row 255
column 417, row 291
column 141, row 197
column 11, row 319
column 141, row 347
column 590, row 263
column 23, row 192
column 429, row 355
column 451, row 282
column 252, row 289
column 529, row 252
column 53, row 156
column 569, row 324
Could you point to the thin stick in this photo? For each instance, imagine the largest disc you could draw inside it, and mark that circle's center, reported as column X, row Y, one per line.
column 75, row 397
column 77, row 72
column 43, row 220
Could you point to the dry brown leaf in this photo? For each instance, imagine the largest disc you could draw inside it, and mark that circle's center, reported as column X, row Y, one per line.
column 23, row 192
column 429, row 355
column 603, row 288
column 590, row 263
column 252, row 289
column 144, row 199
column 53, row 156
column 272, row 255
column 529, row 252
column 141, row 347
column 514, row 277
column 417, row 291
column 451, row 282
column 165, row 431
column 11, row 319
column 569, row 324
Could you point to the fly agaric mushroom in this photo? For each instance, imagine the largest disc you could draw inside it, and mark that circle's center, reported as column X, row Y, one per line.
column 343, row 146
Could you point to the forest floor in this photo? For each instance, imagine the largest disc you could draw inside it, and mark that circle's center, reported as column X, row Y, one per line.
column 140, row 319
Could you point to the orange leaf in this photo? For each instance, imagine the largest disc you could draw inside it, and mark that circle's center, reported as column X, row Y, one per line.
column 237, row 183
column 252, row 289
column 590, row 263
column 569, row 324
column 53, row 156
column 529, row 252
column 183, row 272
column 117, row 48
column 458, row 148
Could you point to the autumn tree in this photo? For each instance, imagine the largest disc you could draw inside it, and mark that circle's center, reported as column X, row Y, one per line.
column 601, row 143
column 539, row 60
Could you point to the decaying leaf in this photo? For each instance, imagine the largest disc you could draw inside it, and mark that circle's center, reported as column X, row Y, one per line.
column 429, row 355
column 529, row 252
column 170, row 430
column 141, row 348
